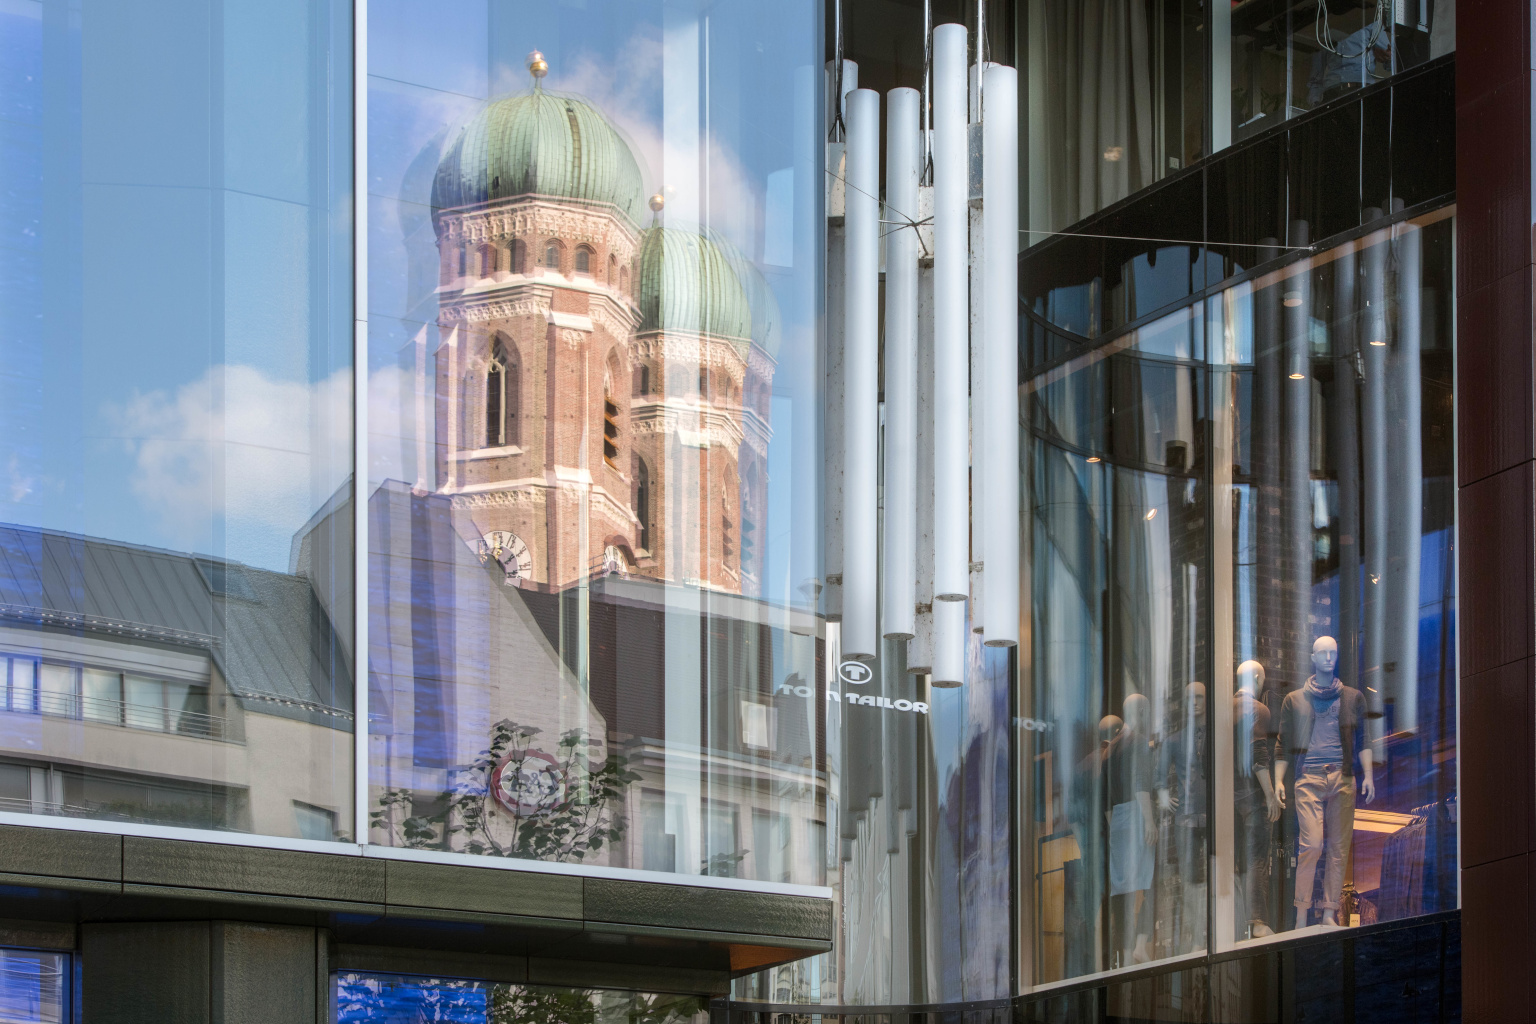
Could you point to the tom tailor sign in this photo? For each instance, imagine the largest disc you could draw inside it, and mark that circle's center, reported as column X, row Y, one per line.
column 880, row 702
column 867, row 700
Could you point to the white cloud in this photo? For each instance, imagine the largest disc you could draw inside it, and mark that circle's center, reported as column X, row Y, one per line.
column 261, row 452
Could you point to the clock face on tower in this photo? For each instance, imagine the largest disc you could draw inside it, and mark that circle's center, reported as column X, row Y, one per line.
column 508, row 551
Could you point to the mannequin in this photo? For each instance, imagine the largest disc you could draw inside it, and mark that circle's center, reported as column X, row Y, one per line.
column 1322, row 730
column 1132, row 830
column 1255, row 806
column 1182, row 762
column 1086, row 903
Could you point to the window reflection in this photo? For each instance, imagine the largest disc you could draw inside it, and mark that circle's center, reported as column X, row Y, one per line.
column 593, row 498
column 1239, row 526
column 404, row 999
column 175, row 416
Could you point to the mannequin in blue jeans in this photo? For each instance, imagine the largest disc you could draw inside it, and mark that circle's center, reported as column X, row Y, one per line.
column 1322, row 730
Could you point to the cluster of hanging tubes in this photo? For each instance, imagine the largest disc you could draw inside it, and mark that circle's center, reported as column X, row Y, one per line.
column 951, row 430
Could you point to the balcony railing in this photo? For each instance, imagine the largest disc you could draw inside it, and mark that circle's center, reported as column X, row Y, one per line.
column 146, row 717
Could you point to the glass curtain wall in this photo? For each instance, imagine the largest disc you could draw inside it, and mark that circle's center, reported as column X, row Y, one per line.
column 1242, row 655
column 593, row 513
column 1115, row 96
column 1275, row 59
column 175, row 414
column 408, row 999
column 1115, row 100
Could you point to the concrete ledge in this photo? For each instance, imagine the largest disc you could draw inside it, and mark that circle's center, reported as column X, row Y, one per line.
column 554, row 929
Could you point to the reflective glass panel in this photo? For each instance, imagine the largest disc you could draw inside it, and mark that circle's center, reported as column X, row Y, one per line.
column 593, row 498
column 1275, row 59
column 1335, row 574
column 34, row 987
column 1116, row 101
column 1241, row 673
column 175, row 332
column 407, row 999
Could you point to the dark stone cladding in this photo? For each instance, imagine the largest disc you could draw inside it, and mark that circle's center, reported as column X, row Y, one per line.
column 497, row 923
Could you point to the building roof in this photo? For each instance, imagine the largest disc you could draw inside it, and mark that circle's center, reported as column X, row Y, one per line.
column 265, row 631
column 540, row 143
column 685, row 282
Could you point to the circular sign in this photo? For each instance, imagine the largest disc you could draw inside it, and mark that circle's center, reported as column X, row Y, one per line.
column 528, row 784
column 855, row 673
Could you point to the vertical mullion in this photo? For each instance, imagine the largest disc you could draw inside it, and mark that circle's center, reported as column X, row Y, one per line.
column 360, row 418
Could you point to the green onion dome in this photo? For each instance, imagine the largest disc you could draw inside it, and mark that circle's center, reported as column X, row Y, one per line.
column 760, row 297
column 540, row 143
column 684, row 282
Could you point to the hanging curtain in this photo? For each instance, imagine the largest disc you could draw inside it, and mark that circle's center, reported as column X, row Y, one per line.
column 1100, row 136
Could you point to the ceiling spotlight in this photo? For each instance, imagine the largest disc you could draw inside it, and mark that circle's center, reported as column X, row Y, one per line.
column 1292, row 299
column 1298, row 368
column 1114, row 153
column 1093, row 458
column 1151, row 514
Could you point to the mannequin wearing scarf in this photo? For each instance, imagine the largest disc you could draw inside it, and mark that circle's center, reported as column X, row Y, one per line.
column 1322, row 731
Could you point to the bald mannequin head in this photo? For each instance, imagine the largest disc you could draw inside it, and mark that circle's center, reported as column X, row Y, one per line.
column 1109, row 728
column 1250, row 678
column 1325, row 658
column 1138, row 711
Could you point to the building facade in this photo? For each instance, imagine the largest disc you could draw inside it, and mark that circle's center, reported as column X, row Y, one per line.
column 498, row 504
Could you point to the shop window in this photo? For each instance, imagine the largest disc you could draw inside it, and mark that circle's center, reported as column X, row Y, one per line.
column 1243, row 650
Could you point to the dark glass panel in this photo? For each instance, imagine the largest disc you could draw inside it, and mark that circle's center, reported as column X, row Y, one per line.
column 1245, row 206
column 1424, row 137
column 1324, row 174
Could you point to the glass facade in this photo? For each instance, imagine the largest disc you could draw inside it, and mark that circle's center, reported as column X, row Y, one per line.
column 175, row 609
column 1239, row 523
column 595, row 458
column 407, row 999
column 1118, row 96
column 473, row 495
column 34, row 987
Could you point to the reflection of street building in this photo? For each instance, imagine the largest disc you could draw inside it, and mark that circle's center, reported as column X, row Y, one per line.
column 601, row 392
column 151, row 686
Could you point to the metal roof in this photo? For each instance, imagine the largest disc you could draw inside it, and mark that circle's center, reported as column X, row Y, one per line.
column 265, row 631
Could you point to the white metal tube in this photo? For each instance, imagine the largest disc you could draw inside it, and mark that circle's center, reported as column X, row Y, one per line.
column 903, row 164
column 998, row 448
column 951, row 521
column 861, row 369
column 950, row 641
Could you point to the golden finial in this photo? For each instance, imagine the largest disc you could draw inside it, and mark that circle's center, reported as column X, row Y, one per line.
column 538, row 67
column 657, row 202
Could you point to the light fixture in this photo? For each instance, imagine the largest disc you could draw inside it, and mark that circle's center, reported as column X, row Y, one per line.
column 1114, row 153
column 1151, row 514
column 1379, row 342
column 1093, row 458
column 1292, row 299
column 1298, row 368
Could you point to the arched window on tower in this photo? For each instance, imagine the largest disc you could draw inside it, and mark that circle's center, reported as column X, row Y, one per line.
column 642, row 499
column 501, row 398
column 624, row 281
column 519, row 257
column 613, row 271
column 583, row 260
column 487, row 260
column 552, row 254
